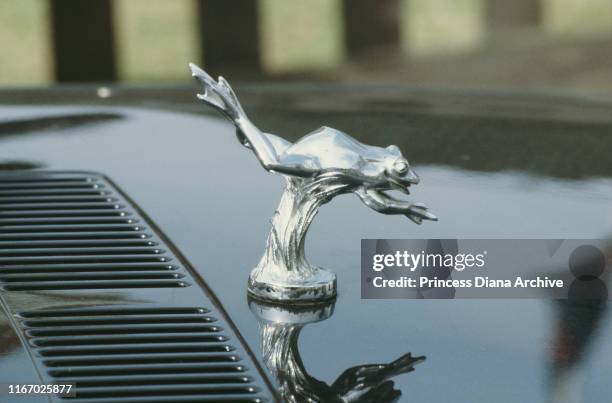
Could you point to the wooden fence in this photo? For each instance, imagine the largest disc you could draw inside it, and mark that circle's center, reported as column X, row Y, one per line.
column 84, row 40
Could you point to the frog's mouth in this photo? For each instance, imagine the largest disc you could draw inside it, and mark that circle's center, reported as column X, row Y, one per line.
column 377, row 198
column 381, row 193
column 403, row 182
column 399, row 186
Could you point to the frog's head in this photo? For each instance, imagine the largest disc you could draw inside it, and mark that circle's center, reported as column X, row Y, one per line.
column 396, row 171
column 389, row 171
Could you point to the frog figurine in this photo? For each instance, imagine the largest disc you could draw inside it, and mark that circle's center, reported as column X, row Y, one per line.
column 318, row 167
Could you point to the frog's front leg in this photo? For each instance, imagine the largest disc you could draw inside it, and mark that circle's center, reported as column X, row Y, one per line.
column 386, row 204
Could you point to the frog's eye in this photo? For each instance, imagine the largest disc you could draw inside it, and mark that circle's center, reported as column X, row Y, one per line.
column 393, row 150
column 401, row 166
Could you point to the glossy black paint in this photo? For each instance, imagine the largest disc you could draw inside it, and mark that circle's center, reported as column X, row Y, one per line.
column 492, row 165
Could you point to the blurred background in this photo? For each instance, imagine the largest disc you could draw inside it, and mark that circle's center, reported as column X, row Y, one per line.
column 552, row 45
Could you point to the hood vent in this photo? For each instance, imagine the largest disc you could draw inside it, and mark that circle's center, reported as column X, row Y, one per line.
column 103, row 300
column 77, row 232
column 149, row 354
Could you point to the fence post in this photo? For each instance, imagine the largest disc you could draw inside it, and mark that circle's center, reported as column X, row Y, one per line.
column 371, row 24
column 83, row 41
column 229, row 37
column 506, row 15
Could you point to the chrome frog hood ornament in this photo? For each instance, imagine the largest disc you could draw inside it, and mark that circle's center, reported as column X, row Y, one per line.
column 318, row 167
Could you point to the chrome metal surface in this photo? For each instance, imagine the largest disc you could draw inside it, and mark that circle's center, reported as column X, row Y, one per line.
column 281, row 326
column 318, row 167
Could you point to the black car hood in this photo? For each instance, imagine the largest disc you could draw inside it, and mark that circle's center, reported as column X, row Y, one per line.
column 491, row 166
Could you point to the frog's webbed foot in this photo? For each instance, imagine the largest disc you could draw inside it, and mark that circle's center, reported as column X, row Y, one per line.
column 374, row 378
column 380, row 201
column 417, row 212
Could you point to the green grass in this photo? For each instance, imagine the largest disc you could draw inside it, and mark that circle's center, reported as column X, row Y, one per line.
column 155, row 39
column 301, row 35
column 24, row 43
column 441, row 26
column 577, row 17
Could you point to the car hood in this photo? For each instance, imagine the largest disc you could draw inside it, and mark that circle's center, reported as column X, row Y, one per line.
column 491, row 166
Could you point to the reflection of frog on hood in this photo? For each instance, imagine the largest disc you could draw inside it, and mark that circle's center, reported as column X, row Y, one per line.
column 281, row 327
column 324, row 157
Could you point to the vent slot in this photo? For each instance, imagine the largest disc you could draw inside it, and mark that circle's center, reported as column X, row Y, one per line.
column 137, row 353
column 50, row 313
column 63, row 221
column 18, row 229
column 127, row 329
column 51, row 192
column 78, row 252
column 63, row 214
column 185, row 337
column 12, row 278
column 113, row 268
column 55, row 207
column 55, row 199
column 46, row 180
column 69, row 233
column 161, row 369
column 68, row 260
column 73, row 236
column 159, row 348
column 36, row 244
column 94, row 285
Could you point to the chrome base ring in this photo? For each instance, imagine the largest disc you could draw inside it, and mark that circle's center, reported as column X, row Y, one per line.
column 323, row 289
